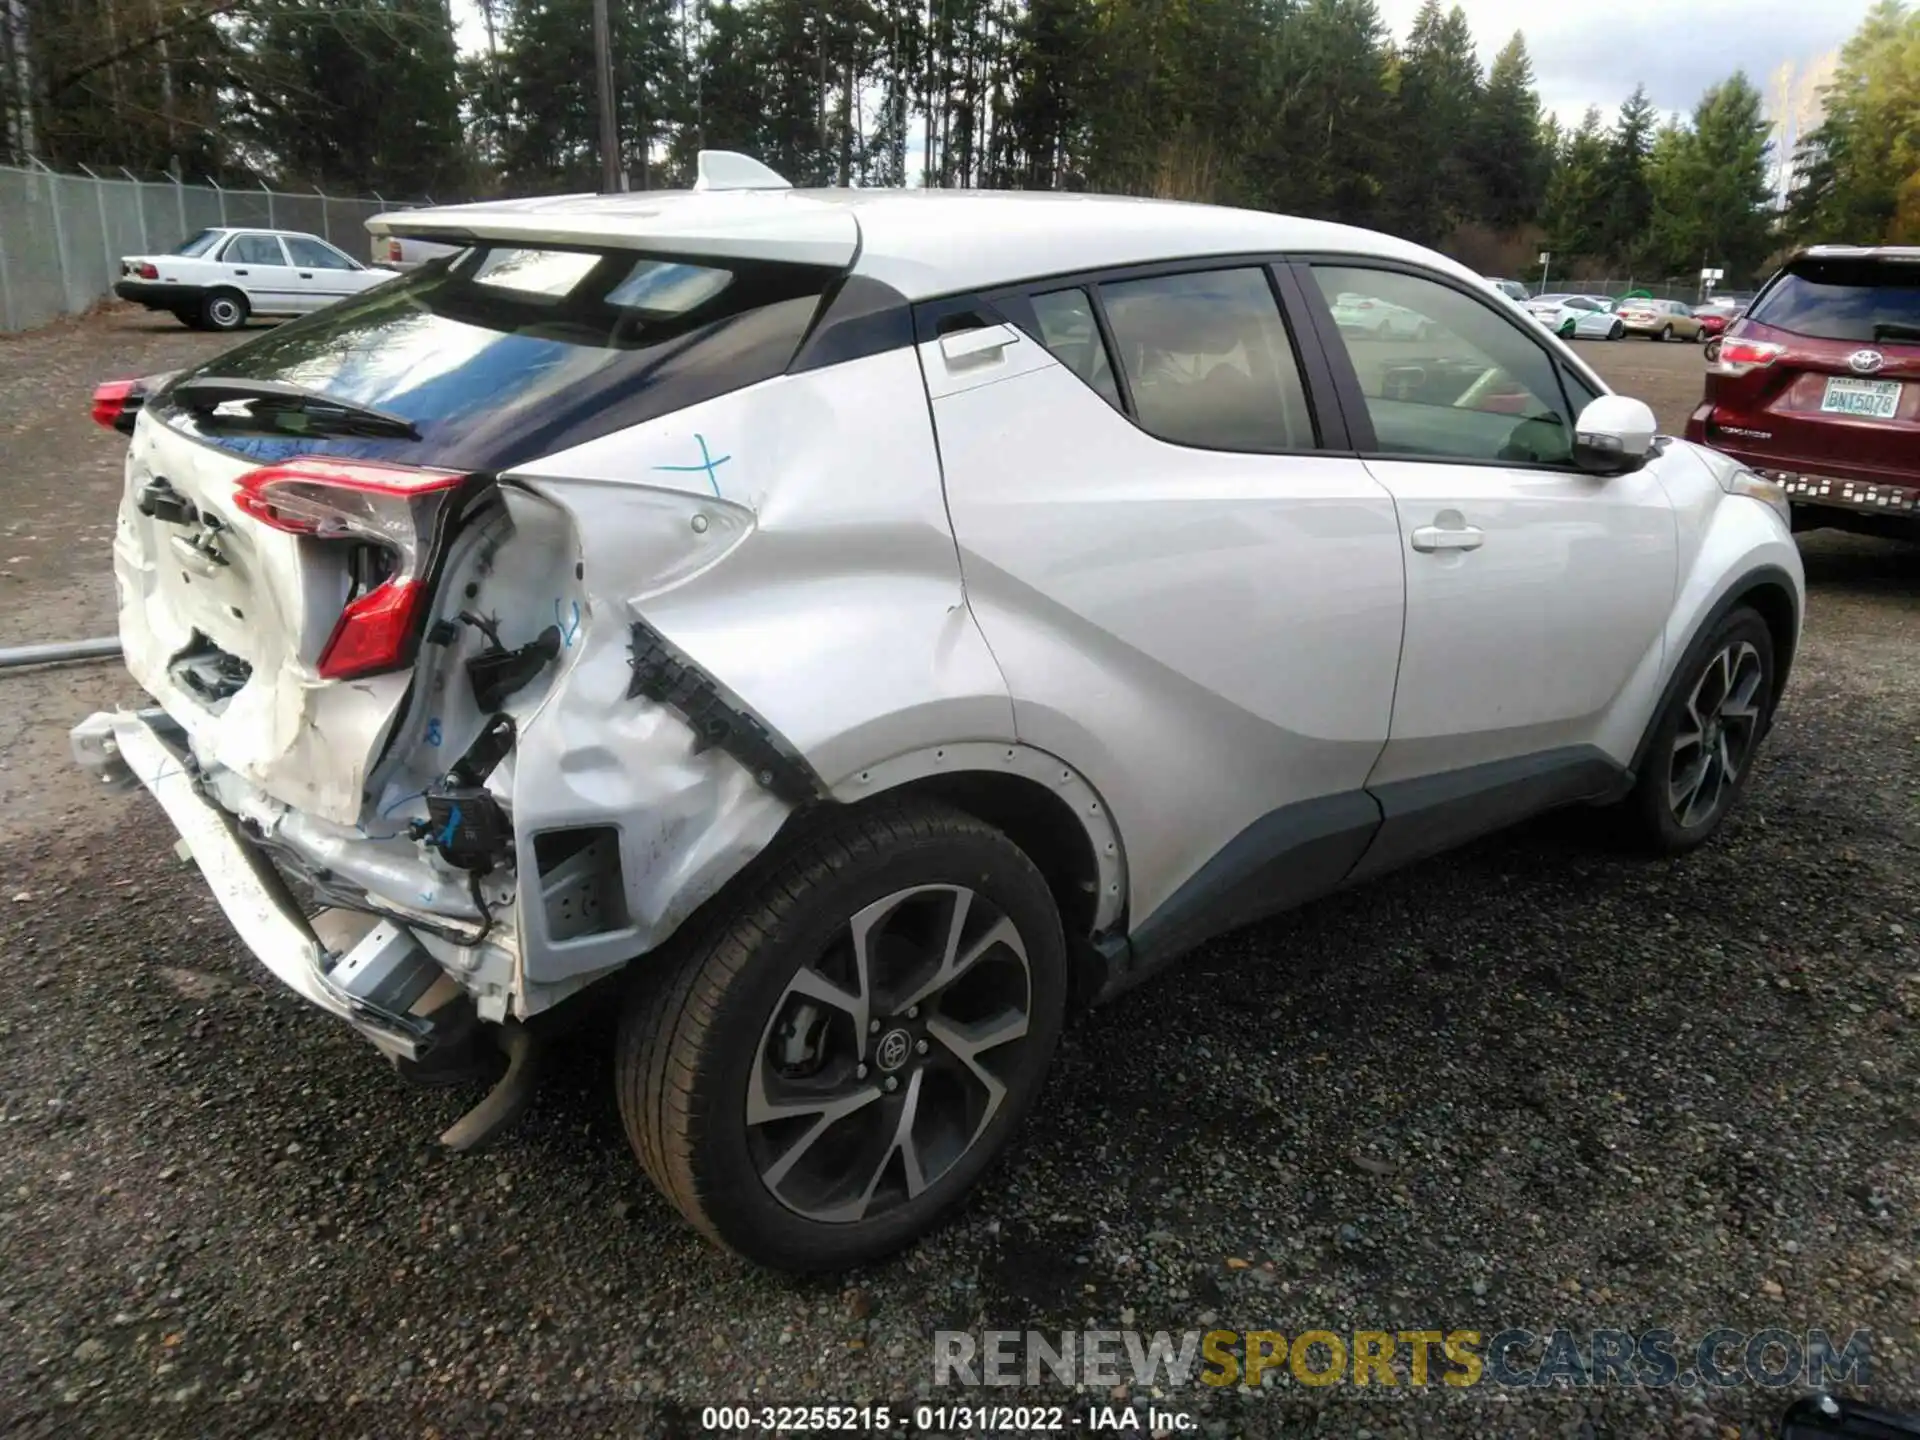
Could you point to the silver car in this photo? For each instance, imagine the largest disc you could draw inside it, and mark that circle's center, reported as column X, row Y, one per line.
column 1584, row 317
column 848, row 631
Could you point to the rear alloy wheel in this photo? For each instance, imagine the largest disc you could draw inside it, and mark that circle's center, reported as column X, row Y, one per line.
column 841, row 1055
column 223, row 310
column 1717, row 711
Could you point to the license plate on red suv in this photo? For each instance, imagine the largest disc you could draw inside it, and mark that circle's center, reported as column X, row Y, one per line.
column 1871, row 399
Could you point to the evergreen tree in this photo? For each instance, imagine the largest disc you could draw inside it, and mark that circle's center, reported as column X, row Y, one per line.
column 1859, row 171
column 1628, row 209
column 1439, row 98
column 1712, row 180
column 1576, row 202
column 362, row 97
column 1505, row 149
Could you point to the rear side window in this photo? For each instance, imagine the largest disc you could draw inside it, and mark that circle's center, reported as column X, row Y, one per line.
column 509, row 353
column 1208, row 361
column 312, row 255
column 1863, row 300
column 254, row 250
column 1069, row 330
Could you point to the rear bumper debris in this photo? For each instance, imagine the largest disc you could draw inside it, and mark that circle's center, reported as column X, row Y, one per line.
column 370, row 972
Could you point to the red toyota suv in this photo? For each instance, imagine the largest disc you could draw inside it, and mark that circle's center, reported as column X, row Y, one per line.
column 1817, row 386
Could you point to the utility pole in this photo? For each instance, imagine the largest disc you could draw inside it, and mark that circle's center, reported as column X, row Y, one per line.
column 613, row 175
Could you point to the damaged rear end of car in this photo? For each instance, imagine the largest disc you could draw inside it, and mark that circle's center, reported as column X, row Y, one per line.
column 410, row 717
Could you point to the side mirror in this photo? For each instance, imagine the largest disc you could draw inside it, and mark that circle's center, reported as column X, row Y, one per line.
column 1614, row 435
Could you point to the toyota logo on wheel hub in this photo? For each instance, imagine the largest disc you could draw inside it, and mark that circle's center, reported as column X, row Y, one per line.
column 893, row 1050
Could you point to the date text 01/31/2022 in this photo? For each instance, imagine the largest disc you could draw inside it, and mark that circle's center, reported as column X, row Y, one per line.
column 969, row 1419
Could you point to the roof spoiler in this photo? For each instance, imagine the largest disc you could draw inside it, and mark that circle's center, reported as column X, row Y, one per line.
column 730, row 170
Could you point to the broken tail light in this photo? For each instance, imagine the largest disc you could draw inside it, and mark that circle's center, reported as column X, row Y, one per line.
column 391, row 513
column 116, row 403
column 110, row 399
column 1738, row 357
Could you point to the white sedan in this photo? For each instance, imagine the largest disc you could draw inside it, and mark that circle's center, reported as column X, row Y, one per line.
column 220, row 277
column 1586, row 317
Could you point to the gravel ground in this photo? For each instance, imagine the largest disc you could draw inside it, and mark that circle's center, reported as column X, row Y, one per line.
column 1534, row 1083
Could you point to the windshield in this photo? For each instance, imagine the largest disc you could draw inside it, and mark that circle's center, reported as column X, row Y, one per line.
column 511, row 352
column 199, row 244
column 1864, row 300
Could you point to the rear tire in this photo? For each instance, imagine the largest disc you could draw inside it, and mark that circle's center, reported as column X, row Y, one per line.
column 1666, row 334
column 1716, row 711
column 224, row 310
column 1618, row 332
column 804, row 1084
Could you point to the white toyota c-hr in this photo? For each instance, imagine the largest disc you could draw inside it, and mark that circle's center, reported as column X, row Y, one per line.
column 870, row 624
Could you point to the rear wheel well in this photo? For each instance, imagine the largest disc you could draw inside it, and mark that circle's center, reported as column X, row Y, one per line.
column 1045, row 827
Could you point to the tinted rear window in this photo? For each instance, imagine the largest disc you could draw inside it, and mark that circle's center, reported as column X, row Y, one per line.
column 1845, row 300
column 510, row 353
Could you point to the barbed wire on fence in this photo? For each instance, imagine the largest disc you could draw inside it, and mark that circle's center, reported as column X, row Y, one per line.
column 62, row 235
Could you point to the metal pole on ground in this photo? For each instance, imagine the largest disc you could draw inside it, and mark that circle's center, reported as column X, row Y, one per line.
column 106, row 648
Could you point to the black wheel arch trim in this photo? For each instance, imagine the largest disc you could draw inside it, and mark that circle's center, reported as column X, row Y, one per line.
column 1766, row 578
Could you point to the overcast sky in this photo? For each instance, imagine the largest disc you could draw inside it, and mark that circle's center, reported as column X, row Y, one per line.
column 1593, row 52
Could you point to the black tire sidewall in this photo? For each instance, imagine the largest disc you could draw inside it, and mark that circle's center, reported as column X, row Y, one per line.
column 747, row 1216
column 1657, row 821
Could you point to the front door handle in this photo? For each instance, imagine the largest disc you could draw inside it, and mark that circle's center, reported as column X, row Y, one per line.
column 306, row 274
column 1436, row 537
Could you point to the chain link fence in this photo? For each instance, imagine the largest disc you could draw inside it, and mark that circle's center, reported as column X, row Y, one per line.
column 1691, row 291
column 62, row 236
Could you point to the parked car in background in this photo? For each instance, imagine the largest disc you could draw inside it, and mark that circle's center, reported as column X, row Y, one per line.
column 1585, row 317
column 221, row 276
column 867, row 624
column 1818, row 386
column 1719, row 311
column 401, row 252
column 1512, row 289
column 1376, row 319
column 1658, row 319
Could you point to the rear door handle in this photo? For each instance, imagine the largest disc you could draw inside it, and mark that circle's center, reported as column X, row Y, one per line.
column 1434, row 537
column 239, row 272
column 979, row 345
